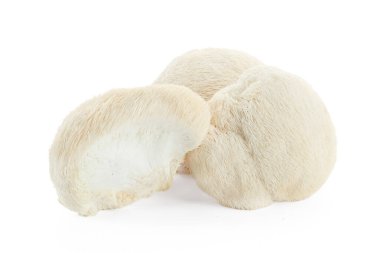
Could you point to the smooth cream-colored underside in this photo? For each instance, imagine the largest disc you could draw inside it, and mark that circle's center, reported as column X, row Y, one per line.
column 132, row 156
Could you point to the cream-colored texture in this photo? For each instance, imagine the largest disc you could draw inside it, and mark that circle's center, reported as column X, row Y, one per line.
column 271, row 139
column 205, row 71
column 125, row 145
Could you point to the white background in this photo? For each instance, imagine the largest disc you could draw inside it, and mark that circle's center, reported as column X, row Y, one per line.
column 56, row 54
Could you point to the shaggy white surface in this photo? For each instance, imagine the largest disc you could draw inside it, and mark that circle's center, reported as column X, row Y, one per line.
column 271, row 140
column 125, row 145
column 205, row 71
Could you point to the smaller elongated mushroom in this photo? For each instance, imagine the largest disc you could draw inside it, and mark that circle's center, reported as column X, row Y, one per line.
column 125, row 145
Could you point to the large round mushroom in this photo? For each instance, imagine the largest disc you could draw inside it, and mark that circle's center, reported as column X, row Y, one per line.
column 271, row 139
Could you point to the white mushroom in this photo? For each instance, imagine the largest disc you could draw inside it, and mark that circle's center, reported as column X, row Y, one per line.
column 271, row 139
column 125, row 145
